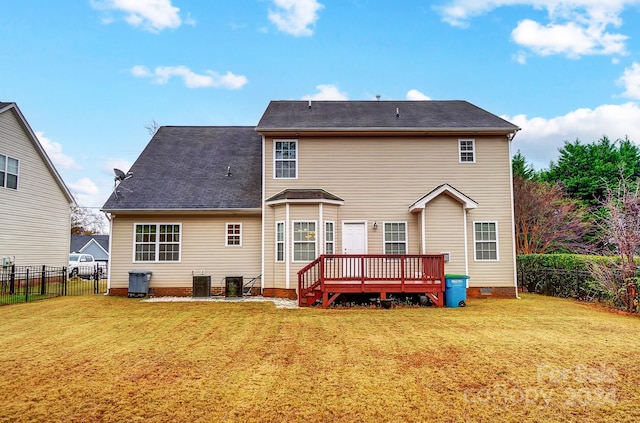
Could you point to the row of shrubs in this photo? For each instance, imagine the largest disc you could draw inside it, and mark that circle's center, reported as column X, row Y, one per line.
column 566, row 275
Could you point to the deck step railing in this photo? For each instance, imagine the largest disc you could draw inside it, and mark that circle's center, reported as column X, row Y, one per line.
column 394, row 270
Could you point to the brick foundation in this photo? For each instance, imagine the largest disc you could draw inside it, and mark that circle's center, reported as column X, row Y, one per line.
column 176, row 292
column 491, row 292
column 280, row 293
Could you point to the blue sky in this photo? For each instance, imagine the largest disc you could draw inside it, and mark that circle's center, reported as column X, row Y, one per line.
column 91, row 75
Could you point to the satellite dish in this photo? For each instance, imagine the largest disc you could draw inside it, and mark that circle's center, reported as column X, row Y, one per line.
column 121, row 176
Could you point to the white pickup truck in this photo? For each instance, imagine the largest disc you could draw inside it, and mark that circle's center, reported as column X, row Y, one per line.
column 84, row 265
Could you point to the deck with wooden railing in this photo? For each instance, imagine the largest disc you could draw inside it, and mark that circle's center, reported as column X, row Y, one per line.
column 330, row 275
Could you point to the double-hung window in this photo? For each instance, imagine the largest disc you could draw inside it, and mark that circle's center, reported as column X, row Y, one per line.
column 157, row 242
column 233, row 235
column 285, row 159
column 329, row 236
column 485, row 238
column 395, row 237
column 304, row 241
column 279, row 241
column 8, row 172
column 467, row 151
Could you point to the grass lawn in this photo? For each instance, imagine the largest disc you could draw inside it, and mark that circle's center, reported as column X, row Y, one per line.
column 108, row 359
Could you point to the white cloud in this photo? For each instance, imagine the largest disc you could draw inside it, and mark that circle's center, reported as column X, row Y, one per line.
column 570, row 39
column 150, row 15
column 574, row 27
column 540, row 138
column 417, row 95
column 326, row 92
column 209, row 79
column 86, row 192
column 630, row 79
column 54, row 151
column 520, row 57
column 84, row 186
column 295, row 17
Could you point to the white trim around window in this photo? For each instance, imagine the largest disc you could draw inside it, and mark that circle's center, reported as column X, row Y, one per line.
column 280, row 242
column 304, row 240
column 157, row 242
column 485, row 241
column 395, row 238
column 329, row 237
column 9, row 169
column 285, row 159
column 233, row 234
column 467, row 150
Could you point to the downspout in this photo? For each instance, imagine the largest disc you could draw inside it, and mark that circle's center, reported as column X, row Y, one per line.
column 263, row 217
column 513, row 219
column 287, row 239
column 110, row 219
column 466, row 243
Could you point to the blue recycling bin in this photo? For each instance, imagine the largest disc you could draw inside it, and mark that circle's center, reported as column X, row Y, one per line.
column 455, row 290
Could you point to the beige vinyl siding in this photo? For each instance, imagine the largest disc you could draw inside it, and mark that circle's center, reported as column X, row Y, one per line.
column 35, row 219
column 444, row 221
column 380, row 177
column 276, row 272
column 202, row 250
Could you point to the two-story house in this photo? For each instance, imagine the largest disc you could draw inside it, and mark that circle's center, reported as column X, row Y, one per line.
column 323, row 178
column 35, row 203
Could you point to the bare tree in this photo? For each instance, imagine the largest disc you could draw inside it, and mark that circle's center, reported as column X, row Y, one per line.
column 546, row 220
column 153, row 127
column 86, row 221
column 619, row 227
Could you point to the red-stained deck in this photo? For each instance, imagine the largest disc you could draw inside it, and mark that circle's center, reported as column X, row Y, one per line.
column 330, row 275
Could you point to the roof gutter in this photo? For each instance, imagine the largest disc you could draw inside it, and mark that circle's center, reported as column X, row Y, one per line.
column 248, row 211
column 390, row 129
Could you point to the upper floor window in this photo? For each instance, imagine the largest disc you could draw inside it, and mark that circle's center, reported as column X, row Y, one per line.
column 467, row 151
column 395, row 238
column 485, row 238
column 8, row 172
column 234, row 235
column 286, row 159
column 157, row 242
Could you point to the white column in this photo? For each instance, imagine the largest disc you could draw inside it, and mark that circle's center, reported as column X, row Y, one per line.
column 287, row 247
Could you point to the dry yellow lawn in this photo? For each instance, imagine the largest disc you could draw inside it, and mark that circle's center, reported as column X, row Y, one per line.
column 121, row 360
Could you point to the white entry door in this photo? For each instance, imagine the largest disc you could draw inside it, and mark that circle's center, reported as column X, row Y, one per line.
column 354, row 241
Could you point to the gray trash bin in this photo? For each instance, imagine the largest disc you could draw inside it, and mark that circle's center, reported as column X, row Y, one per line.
column 139, row 283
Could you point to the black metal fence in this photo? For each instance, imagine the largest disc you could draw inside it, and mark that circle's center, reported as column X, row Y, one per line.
column 20, row 284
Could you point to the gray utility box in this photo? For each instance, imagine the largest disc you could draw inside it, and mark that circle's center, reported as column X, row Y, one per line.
column 201, row 286
column 139, row 283
column 233, row 286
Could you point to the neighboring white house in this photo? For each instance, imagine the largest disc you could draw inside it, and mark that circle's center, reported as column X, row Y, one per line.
column 35, row 203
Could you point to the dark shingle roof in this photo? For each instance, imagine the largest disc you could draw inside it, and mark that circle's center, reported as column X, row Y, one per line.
column 79, row 241
column 364, row 115
column 185, row 167
column 304, row 194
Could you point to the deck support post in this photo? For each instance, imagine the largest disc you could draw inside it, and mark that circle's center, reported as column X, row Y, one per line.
column 326, row 301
